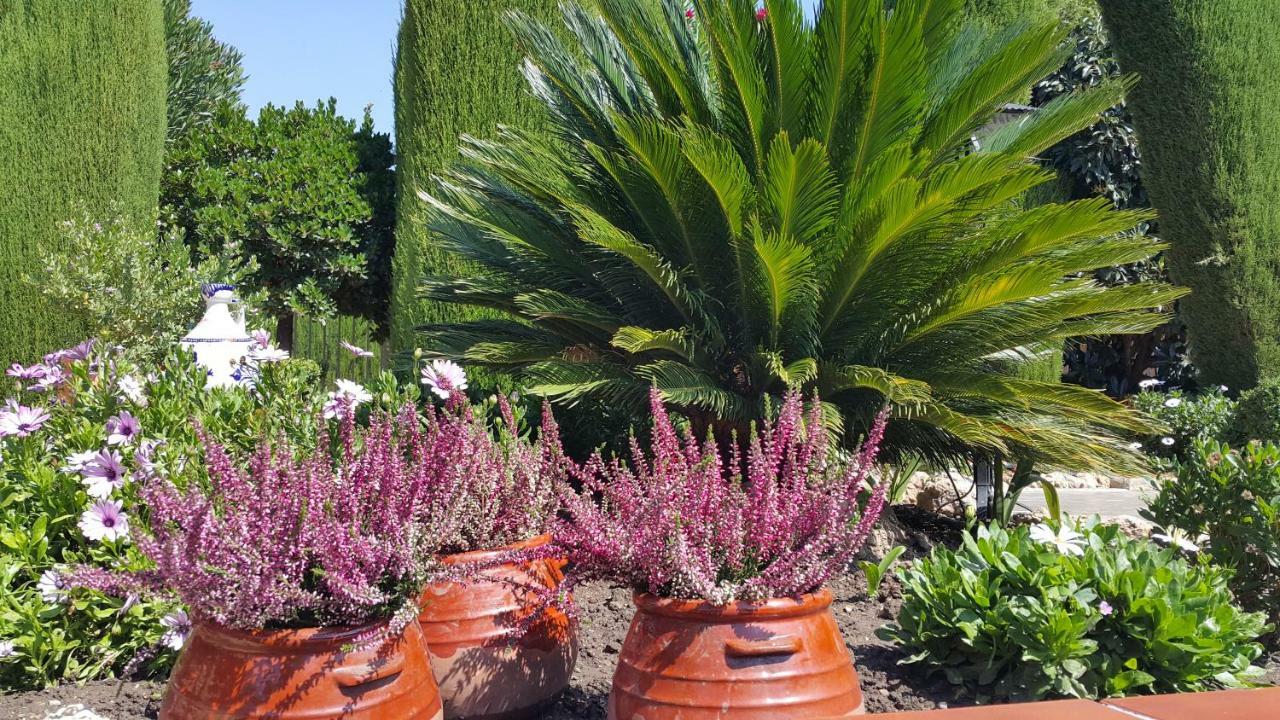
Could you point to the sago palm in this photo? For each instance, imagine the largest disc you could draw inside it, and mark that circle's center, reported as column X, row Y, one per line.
column 738, row 199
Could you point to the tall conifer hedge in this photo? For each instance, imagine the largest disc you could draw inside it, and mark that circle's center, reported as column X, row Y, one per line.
column 457, row 72
column 82, row 125
column 1207, row 122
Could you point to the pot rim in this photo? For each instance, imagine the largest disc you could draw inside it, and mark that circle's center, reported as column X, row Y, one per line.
column 472, row 556
column 292, row 638
column 783, row 607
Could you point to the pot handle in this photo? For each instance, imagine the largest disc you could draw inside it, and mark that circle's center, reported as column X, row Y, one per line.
column 781, row 645
column 357, row 675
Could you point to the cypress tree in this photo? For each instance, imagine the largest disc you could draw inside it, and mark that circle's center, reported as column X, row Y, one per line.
column 1205, row 115
column 457, row 72
column 82, row 126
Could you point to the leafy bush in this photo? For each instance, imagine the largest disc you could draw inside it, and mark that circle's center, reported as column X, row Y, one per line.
column 77, row 433
column 1042, row 612
column 204, row 73
column 1258, row 414
column 132, row 288
column 791, row 205
column 1233, row 496
column 1185, row 419
column 303, row 192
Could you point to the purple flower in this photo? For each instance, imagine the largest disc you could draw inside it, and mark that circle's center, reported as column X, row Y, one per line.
column 1105, row 609
column 355, row 350
column 177, row 628
column 104, row 474
column 261, row 339
column 105, row 521
column 143, row 458
column 20, row 420
column 444, row 378
column 122, row 429
column 72, row 354
column 32, row 372
column 53, row 377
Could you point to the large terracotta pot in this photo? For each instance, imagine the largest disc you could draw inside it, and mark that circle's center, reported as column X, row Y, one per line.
column 293, row 674
column 469, row 629
column 690, row 660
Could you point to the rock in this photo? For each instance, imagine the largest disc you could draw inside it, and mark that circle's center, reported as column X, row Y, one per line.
column 1133, row 526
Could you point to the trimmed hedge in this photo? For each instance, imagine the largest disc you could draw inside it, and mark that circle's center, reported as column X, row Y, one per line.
column 82, row 126
column 1210, row 138
column 457, row 71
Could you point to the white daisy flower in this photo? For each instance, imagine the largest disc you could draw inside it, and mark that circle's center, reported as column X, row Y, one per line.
column 1064, row 540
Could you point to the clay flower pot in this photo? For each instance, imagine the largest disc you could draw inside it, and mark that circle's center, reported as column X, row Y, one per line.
column 692, row 660
column 482, row 674
column 289, row 674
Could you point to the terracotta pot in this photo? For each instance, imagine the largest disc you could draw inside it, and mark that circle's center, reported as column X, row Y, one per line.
column 482, row 674
column 292, row 674
column 690, row 660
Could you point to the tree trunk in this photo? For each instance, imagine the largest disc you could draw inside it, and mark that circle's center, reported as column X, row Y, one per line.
column 284, row 332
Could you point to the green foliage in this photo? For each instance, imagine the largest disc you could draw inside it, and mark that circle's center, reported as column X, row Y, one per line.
column 91, row 635
column 1258, row 414
column 82, row 93
column 1185, row 419
column 1007, row 617
column 134, row 289
column 300, row 193
column 1233, row 496
column 1205, row 113
column 204, row 73
column 875, row 572
column 456, row 73
column 1001, row 14
column 742, row 205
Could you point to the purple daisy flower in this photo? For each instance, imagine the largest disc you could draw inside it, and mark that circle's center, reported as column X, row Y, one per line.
column 105, row 521
column 30, row 372
column 21, row 420
column 123, row 428
column 78, row 352
column 355, row 350
column 53, row 377
column 103, row 474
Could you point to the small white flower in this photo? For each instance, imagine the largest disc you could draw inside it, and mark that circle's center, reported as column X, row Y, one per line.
column 1173, row 402
column 1177, row 537
column 52, row 586
column 1064, row 540
column 132, row 390
column 1150, row 383
column 178, row 628
column 1167, row 441
column 1135, row 446
column 1222, row 388
column 444, row 378
column 348, row 395
column 269, row 354
column 105, row 520
column 77, row 461
column 7, row 649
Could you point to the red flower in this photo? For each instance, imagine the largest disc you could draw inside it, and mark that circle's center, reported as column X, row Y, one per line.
column 761, row 14
column 689, row 13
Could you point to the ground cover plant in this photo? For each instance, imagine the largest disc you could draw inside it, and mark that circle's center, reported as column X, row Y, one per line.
column 747, row 200
column 1184, row 418
column 1066, row 610
column 1231, row 497
column 775, row 516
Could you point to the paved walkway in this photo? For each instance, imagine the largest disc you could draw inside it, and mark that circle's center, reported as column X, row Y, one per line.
column 1106, row 503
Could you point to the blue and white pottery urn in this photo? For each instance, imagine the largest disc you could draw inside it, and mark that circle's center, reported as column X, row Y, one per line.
column 220, row 341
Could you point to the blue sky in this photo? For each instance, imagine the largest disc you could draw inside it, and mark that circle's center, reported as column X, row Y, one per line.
column 312, row 49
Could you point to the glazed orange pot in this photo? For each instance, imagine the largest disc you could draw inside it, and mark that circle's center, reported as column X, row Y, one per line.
column 294, row 674
column 691, row 660
column 469, row 629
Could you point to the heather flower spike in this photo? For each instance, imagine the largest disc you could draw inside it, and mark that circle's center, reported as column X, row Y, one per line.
column 778, row 517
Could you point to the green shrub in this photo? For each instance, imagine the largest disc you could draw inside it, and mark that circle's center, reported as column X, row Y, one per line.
column 1010, row 617
column 1185, row 419
column 204, row 74
column 1258, row 414
column 82, row 118
column 1210, row 136
column 134, row 289
column 303, row 193
column 456, row 73
column 1233, row 497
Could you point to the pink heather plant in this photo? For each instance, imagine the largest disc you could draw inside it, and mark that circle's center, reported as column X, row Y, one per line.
column 682, row 523
column 293, row 538
column 504, row 487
